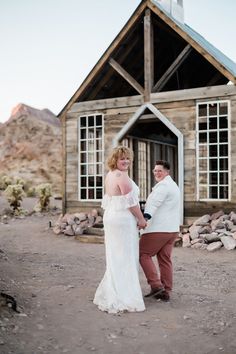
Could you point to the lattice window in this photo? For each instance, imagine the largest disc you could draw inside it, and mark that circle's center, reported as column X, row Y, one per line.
column 91, row 157
column 213, row 143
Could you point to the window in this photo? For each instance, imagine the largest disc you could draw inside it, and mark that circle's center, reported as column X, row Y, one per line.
column 91, row 157
column 213, row 150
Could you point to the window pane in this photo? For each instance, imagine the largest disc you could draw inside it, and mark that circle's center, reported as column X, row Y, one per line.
column 202, row 110
column 83, row 181
column 91, row 193
column 91, row 170
column 83, row 121
column 223, row 121
column 90, row 157
column 83, row 134
column 212, row 123
column 83, row 193
column 213, row 109
column 99, row 193
column 99, row 181
column 203, row 165
column 213, row 137
column 224, row 178
column 202, row 150
column 202, row 124
column 91, row 181
column 223, row 108
column 223, row 137
column 98, row 120
column 203, row 192
column 213, row 192
column 83, row 157
column 223, row 150
column 83, row 146
column 83, row 169
column 223, row 164
column 213, row 178
column 203, row 178
column 213, row 150
column 90, row 121
column 202, row 137
column 224, row 192
column 213, row 164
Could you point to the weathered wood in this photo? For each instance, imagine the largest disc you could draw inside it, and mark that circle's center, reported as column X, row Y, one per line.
column 122, row 72
column 97, row 105
column 172, row 69
column 148, row 56
column 176, row 27
column 106, row 56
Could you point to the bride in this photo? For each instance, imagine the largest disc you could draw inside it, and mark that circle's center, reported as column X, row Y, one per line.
column 120, row 289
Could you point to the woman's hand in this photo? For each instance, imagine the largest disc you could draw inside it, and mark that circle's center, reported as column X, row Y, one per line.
column 142, row 223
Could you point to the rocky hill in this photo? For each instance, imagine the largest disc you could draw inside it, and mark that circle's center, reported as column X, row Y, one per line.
column 31, row 146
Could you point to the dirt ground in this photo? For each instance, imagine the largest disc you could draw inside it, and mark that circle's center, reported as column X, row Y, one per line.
column 53, row 279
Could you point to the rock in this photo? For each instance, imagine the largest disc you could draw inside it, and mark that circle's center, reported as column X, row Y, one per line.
column 69, row 231
column 217, row 224
column 216, row 215
column 57, row 230
column 214, row 246
column 202, row 221
column 213, row 237
column 228, row 242
column 194, row 231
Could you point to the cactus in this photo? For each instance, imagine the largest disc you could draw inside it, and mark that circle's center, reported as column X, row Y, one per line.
column 5, row 181
column 14, row 194
column 44, row 192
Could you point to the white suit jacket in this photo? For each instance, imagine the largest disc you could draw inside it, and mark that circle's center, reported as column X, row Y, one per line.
column 163, row 204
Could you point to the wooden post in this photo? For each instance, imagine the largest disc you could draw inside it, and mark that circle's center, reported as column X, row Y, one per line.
column 148, row 56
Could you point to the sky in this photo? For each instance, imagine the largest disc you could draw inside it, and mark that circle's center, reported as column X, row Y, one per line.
column 48, row 47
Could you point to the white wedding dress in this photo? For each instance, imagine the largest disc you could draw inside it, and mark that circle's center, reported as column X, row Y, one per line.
column 120, row 289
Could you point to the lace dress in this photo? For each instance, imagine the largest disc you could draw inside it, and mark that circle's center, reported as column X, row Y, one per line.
column 120, row 289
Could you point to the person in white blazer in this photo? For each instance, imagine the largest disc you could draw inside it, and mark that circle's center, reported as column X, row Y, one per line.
column 162, row 210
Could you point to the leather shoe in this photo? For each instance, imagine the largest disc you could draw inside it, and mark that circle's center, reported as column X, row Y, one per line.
column 164, row 296
column 155, row 292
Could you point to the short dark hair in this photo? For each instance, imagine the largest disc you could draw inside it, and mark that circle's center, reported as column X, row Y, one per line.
column 163, row 163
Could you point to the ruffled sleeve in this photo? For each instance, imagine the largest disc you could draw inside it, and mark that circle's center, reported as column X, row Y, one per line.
column 120, row 202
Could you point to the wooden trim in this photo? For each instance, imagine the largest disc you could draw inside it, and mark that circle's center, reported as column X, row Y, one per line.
column 106, row 55
column 148, row 56
column 98, row 105
column 194, row 94
column 63, row 122
column 126, row 76
column 192, row 42
column 172, row 69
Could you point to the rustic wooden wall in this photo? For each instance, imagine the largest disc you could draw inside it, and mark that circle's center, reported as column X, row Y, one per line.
column 180, row 108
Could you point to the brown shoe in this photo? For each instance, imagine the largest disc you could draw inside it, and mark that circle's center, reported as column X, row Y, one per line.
column 155, row 292
column 163, row 296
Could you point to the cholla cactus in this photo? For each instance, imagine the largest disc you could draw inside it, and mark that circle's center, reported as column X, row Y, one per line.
column 44, row 192
column 14, row 194
column 5, row 181
column 20, row 181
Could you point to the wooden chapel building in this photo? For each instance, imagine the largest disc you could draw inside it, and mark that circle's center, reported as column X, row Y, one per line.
column 167, row 93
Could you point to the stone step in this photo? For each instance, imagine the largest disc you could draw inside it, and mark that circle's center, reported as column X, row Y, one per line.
column 94, row 231
column 90, row 238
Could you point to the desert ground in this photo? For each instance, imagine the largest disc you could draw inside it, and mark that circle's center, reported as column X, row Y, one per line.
column 53, row 279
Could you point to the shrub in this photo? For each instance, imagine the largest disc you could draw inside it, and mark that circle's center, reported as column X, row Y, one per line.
column 44, row 192
column 14, row 194
column 5, row 181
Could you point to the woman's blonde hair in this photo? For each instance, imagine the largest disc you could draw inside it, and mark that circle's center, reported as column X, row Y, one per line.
column 118, row 152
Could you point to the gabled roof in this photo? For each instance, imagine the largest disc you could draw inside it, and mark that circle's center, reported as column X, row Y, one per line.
column 180, row 53
column 225, row 61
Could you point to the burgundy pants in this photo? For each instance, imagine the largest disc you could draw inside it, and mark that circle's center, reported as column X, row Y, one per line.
column 159, row 244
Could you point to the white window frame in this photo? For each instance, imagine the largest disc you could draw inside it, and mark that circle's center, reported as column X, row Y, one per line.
column 90, row 152
column 218, row 155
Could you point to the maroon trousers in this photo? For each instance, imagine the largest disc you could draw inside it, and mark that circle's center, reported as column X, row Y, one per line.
column 158, row 244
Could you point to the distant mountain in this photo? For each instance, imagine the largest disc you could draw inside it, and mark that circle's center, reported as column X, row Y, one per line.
column 31, row 146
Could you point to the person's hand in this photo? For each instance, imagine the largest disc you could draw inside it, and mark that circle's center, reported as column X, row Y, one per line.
column 142, row 224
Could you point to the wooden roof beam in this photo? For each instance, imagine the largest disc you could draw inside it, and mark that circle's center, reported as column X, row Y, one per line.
column 148, row 56
column 172, row 69
column 126, row 76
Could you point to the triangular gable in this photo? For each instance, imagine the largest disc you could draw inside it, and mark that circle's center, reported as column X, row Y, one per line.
column 224, row 65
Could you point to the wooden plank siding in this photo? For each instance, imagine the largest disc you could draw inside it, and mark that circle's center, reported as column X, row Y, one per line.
column 179, row 107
